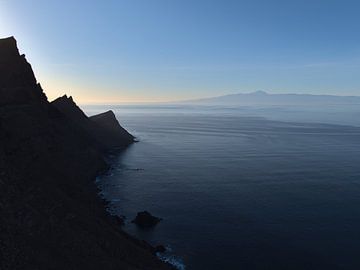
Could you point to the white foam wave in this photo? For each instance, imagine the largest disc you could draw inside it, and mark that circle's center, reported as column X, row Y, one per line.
column 173, row 260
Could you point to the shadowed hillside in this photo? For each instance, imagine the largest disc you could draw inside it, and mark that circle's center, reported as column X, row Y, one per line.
column 51, row 216
column 104, row 129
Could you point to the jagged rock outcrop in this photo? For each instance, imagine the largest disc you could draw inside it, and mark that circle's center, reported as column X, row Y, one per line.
column 103, row 129
column 50, row 214
column 111, row 129
column 17, row 81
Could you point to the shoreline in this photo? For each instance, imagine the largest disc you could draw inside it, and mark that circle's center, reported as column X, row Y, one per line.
column 167, row 256
column 50, row 156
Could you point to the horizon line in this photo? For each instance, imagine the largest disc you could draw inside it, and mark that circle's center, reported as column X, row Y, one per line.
column 111, row 102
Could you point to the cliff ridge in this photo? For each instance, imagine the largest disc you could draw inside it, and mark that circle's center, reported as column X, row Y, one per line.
column 50, row 154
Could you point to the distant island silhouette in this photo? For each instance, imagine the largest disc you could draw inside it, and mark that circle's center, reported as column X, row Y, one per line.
column 264, row 98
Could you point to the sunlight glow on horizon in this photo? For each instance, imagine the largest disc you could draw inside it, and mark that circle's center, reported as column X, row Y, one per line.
column 121, row 51
column 55, row 89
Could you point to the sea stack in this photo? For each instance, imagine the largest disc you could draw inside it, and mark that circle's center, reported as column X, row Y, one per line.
column 146, row 220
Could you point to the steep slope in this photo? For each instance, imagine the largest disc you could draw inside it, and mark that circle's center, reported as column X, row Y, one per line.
column 104, row 135
column 17, row 81
column 50, row 214
column 110, row 128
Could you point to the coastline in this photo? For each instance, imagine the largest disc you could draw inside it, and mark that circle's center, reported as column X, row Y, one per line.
column 50, row 156
column 161, row 249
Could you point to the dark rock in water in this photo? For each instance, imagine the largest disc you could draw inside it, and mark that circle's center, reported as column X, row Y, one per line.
column 50, row 214
column 145, row 219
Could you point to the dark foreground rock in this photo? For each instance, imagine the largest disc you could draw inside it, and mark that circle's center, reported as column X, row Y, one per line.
column 146, row 220
column 50, row 214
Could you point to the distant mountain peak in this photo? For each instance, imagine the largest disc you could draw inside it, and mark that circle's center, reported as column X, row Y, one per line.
column 264, row 98
column 259, row 92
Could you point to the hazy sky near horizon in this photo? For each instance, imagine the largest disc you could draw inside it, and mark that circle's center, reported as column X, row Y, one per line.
column 157, row 50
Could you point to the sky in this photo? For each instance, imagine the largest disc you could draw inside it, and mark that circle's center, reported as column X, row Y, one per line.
column 165, row 50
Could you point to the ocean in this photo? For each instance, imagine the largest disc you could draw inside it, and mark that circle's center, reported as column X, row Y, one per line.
column 240, row 188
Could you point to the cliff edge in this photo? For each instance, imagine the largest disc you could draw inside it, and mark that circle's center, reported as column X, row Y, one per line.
column 103, row 129
column 50, row 214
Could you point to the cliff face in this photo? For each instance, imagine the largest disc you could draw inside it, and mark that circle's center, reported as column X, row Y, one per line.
column 17, row 81
column 110, row 129
column 50, row 215
column 103, row 129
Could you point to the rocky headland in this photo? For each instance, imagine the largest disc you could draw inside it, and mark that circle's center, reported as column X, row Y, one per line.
column 50, row 154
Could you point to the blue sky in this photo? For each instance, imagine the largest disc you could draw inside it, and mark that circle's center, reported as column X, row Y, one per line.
column 155, row 50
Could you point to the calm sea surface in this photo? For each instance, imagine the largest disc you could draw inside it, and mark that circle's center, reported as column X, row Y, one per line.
column 239, row 192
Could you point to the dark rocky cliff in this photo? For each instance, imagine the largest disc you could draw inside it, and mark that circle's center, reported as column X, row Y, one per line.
column 103, row 129
column 111, row 129
column 17, row 81
column 50, row 214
